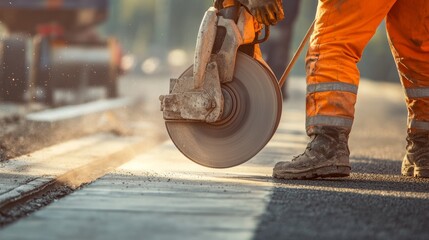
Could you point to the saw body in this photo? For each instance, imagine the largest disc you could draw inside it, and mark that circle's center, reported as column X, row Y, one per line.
column 226, row 107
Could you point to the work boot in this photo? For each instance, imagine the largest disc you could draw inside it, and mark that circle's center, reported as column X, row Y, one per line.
column 416, row 160
column 327, row 155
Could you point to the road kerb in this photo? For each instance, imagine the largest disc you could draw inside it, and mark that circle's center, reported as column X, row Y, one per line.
column 71, row 177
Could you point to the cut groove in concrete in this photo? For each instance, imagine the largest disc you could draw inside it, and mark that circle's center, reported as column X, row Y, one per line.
column 69, row 112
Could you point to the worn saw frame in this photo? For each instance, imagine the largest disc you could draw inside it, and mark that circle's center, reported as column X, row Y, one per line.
column 200, row 98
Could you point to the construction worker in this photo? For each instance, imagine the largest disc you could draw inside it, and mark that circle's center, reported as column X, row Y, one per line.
column 342, row 30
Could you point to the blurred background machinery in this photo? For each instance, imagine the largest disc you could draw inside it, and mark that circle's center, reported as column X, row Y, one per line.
column 53, row 44
column 158, row 39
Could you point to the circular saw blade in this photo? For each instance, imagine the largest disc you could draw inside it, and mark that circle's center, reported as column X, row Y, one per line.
column 254, row 106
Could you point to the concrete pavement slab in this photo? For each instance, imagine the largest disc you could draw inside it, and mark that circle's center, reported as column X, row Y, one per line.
column 163, row 195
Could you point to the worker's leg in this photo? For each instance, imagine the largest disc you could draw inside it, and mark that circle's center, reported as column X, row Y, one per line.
column 343, row 29
column 408, row 28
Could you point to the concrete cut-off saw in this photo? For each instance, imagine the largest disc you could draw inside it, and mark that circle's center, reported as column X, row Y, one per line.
column 226, row 107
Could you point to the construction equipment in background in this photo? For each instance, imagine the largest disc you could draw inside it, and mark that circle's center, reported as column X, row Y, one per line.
column 53, row 45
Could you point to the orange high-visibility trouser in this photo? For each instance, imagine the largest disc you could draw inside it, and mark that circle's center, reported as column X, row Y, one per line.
column 343, row 29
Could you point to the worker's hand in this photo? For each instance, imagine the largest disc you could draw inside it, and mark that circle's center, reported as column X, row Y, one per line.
column 267, row 12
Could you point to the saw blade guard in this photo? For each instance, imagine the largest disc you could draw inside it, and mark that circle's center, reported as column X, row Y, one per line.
column 253, row 106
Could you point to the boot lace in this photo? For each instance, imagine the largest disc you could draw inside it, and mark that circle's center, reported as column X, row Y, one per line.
column 306, row 151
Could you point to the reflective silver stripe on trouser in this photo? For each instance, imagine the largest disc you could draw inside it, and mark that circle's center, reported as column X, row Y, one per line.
column 422, row 92
column 322, row 120
column 416, row 124
column 330, row 120
column 332, row 86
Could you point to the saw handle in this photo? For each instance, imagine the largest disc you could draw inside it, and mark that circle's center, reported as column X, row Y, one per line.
column 232, row 13
column 266, row 36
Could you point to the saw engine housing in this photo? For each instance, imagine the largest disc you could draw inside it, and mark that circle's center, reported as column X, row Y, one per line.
column 199, row 98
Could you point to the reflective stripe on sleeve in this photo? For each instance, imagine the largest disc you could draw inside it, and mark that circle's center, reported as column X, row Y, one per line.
column 332, row 86
column 329, row 121
column 418, row 124
column 417, row 92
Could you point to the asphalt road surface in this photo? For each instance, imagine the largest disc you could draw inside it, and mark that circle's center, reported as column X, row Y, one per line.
column 162, row 195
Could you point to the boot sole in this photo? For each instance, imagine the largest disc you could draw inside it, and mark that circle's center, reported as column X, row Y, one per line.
column 415, row 172
column 408, row 171
column 421, row 173
column 323, row 172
